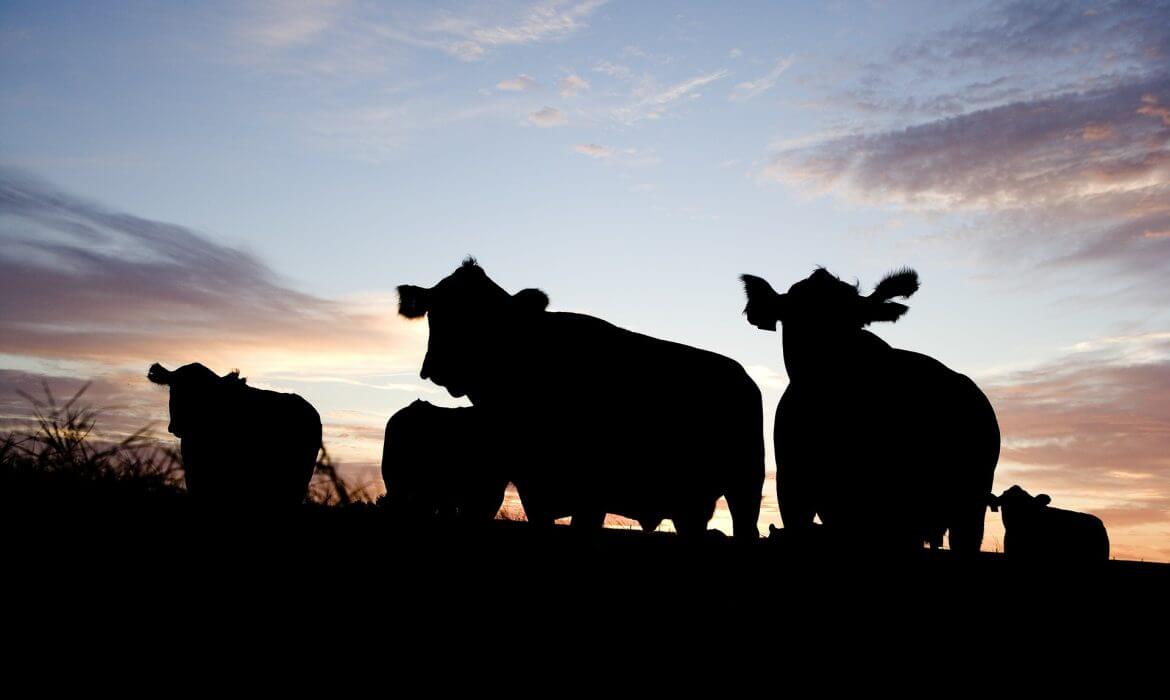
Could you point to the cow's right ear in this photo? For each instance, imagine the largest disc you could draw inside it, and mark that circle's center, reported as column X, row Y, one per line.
column 764, row 306
column 1043, row 499
column 413, row 302
column 159, row 374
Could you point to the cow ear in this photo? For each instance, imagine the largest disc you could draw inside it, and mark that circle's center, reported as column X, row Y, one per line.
column 233, row 378
column 764, row 306
column 530, row 300
column 875, row 312
column 900, row 283
column 413, row 302
column 1043, row 499
column 159, row 374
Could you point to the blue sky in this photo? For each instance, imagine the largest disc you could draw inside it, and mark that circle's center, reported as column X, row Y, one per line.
column 629, row 158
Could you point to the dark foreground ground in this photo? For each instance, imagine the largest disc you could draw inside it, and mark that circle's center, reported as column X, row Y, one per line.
column 195, row 594
column 172, row 554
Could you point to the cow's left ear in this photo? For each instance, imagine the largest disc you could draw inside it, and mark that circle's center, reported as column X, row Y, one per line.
column 158, row 374
column 530, row 300
column 1043, row 499
column 413, row 301
column 876, row 311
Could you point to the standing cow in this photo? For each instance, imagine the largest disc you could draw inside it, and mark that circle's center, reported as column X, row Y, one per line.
column 599, row 419
column 438, row 462
column 883, row 444
column 240, row 445
column 1034, row 531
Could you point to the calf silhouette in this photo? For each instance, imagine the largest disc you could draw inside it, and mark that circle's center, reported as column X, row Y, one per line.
column 600, row 419
column 886, row 445
column 439, row 463
column 1035, row 531
column 240, row 444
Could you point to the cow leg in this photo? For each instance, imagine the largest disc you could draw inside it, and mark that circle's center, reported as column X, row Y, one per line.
column 967, row 528
column 744, row 504
column 692, row 525
column 588, row 520
column 650, row 524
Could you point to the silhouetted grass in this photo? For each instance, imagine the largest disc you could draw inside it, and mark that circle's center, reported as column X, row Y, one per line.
column 62, row 456
column 330, row 488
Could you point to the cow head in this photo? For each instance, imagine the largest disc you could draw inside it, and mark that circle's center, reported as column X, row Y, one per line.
column 195, row 392
column 1017, row 503
column 823, row 301
column 470, row 318
column 1018, row 497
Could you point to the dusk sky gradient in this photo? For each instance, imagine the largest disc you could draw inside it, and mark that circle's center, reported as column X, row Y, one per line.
column 245, row 183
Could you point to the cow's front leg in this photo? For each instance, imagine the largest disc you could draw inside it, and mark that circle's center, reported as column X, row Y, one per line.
column 587, row 520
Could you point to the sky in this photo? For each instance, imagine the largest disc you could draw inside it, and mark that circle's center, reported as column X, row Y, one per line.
column 244, row 184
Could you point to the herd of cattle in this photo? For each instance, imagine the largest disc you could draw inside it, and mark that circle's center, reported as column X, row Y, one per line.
column 887, row 447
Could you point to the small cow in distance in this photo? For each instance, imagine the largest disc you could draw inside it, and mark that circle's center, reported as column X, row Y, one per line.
column 437, row 463
column 240, row 445
column 1035, row 531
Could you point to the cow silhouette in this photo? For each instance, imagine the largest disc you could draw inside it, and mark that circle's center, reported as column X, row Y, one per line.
column 1035, row 531
column 599, row 419
column 240, row 445
column 440, row 463
column 887, row 445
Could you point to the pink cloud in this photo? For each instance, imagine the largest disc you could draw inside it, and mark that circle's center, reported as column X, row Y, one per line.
column 1092, row 429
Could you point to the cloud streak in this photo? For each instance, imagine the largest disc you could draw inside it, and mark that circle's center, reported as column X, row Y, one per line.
column 1067, row 177
column 652, row 102
column 79, row 281
column 548, row 117
column 1092, row 429
column 753, row 88
column 471, row 36
column 521, row 83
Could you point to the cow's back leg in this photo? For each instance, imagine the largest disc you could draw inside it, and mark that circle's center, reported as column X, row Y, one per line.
column 743, row 500
column 966, row 527
column 691, row 525
column 588, row 520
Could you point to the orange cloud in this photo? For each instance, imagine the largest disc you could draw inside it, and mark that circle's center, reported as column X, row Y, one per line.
column 1150, row 107
column 80, row 282
column 1097, row 132
column 1092, row 429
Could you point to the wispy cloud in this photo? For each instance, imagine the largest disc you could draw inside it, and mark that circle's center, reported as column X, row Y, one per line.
column 1046, row 150
column 521, row 83
column 1071, row 170
column 752, row 88
column 652, row 102
column 81, row 282
column 548, row 117
column 471, row 36
column 621, row 157
column 1092, row 429
column 1080, row 177
column 594, row 150
column 279, row 25
column 572, row 84
column 338, row 39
